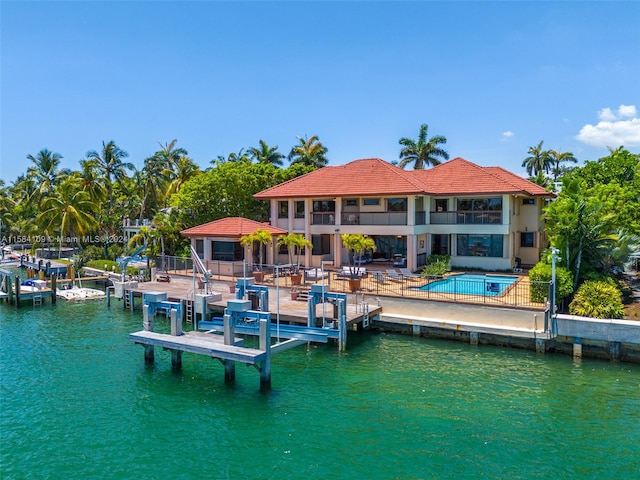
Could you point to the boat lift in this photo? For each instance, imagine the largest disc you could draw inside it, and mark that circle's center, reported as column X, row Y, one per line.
column 124, row 261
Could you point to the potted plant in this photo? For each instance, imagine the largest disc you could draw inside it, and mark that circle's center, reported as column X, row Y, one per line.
column 232, row 287
column 261, row 237
column 294, row 242
column 357, row 244
column 294, row 293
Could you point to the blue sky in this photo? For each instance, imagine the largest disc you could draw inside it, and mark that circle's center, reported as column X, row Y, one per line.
column 493, row 77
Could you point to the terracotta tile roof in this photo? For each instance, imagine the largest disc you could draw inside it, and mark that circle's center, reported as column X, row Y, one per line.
column 369, row 176
column 460, row 177
column 373, row 176
column 230, row 227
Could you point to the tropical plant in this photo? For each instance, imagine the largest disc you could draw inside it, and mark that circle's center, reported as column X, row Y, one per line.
column 261, row 237
column 69, row 211
column 7, row 205
column 538, row 161
column 266, row 154
column 357, row 244
column 598, row 299
column 437, row 265
column 557, row 158
column 309, row 151
column 540, row 277
column 423, row 152
column 185, row 169
column 109, row 162
column 45, row 172
column 295, row 243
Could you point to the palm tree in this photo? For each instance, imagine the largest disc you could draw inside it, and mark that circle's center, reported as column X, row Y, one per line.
column 266, row 154
column 169, row 156
column 184, row 171
column 261, row 237
column 539, row 161
column 295, row 243
column 45, row 171
column 70, row 210
column 91, row 182
column 7, row 205
column 556, row 159
column 109, row 163
column 423, row 152
column 310, row 151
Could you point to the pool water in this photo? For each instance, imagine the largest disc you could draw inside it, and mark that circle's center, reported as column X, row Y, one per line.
column 471, row 284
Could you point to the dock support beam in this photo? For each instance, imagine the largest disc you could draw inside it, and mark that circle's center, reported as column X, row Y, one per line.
column 176, row 359
column 265, row 365
column 229, row 365
column 577, row 348
column 147, row 325
column 541, row 345
column 53, row 289
column 17, row 291
column 614, row 351
column 176, row 323
column 474, row 338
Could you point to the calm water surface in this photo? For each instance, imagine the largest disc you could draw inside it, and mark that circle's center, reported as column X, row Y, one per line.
column 78, row 402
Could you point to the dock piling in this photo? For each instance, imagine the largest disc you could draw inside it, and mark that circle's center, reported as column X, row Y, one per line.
column 229, row 365
column 265, row 365
column 147, row 325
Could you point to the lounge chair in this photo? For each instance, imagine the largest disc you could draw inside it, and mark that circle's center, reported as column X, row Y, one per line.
column 379, row 276
column 408, row 274
column 393, row 275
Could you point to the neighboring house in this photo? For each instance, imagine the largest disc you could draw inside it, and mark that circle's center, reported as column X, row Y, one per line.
column 220, row 240
column 129, row 230
column 484, row 217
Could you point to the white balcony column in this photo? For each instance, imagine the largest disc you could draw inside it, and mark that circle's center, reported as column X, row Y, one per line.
column 206, row 249
column 291, row 208
column 412, row 252
column 273, row 216
column 411, row 210
column 338, row 212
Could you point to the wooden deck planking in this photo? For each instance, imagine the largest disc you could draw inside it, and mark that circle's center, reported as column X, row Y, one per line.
column 200, row 343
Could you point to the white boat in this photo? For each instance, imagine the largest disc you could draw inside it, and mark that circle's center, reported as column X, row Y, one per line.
column 79, row 293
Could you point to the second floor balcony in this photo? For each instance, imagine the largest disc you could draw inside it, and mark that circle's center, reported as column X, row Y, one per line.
column 467, row 217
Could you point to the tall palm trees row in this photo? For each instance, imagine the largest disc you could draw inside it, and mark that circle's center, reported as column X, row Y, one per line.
column 542, row 161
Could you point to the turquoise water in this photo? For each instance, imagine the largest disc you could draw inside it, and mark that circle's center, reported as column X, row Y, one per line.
column 77, row 401
column 471, row 284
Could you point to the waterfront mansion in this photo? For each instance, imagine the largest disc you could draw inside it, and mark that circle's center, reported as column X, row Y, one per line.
column 484, row 217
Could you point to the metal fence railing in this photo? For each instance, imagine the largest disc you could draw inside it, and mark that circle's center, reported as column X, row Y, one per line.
column 497, row 290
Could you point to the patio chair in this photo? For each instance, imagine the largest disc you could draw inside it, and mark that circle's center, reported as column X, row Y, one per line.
column 408, row 274
column 393, row 275
column 379, row 276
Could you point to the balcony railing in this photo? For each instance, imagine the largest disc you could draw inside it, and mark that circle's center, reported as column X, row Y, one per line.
column 374, row 218
column 466, row 217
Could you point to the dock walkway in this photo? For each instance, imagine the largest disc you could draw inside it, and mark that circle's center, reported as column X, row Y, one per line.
column 201, row 343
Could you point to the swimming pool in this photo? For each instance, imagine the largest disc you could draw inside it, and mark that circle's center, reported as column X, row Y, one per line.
column 471, row 284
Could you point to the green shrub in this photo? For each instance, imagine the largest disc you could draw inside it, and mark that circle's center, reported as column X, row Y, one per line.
column 540, row 276
column 437, row 265
column 598, row 299
column 100, row 265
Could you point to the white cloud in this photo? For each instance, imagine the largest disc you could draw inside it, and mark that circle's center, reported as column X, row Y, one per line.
column 506, row 136
column 615, row 128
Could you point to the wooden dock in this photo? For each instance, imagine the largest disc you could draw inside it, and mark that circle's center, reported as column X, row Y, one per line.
column 201, row 343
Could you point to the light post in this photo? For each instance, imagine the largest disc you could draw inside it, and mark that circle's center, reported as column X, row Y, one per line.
column 554, row 257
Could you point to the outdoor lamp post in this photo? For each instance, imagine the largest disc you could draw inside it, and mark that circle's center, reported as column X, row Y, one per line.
column 554, row 258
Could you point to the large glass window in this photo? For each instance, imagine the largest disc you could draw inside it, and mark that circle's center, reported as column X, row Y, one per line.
column 283, row 209
column 479, row 204
column 200, row 248
column 370, row 202
column 527, row 239
column 442, row 204
column 396, row 204
column 227, row 251
column 440, row 244
column 300, row 209
column 324, row 206
column 479, row 245
column 321, row 244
